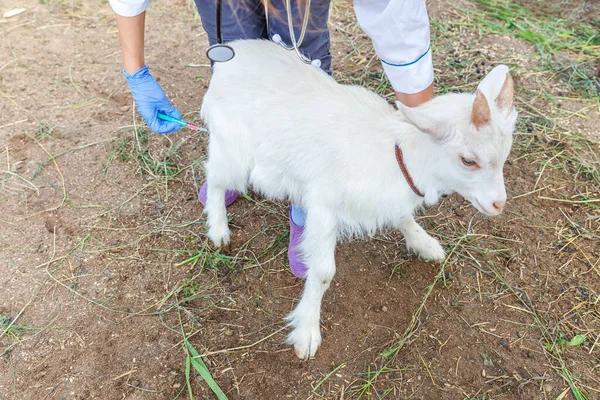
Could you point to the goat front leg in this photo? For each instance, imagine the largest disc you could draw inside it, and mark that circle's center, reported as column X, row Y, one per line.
column 216, row 212
column 318, row 249
column 419, row 241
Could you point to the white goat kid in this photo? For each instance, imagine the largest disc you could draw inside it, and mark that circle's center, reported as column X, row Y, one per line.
column 294, row 134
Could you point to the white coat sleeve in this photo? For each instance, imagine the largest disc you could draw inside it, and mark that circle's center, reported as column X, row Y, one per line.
column 399, row 30
column 129, row 8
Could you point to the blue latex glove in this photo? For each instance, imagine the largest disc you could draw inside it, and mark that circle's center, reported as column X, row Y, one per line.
column 150, row 99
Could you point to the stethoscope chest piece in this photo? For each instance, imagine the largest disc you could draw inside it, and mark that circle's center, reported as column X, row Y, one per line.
column 220, row 52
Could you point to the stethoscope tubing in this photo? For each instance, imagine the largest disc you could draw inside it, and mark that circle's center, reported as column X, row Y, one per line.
column 219, row 14
column 219, row 52
column 222, row 52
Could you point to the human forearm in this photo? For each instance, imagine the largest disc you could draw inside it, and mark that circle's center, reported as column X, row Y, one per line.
column 399, row 30
column 149, row 97
column 415, row 99
column 131, row 34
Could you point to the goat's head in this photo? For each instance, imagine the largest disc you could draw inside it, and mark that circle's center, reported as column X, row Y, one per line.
column 474, row 134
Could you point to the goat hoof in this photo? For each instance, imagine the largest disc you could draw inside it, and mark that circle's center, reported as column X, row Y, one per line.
column 428, row 248
column 306, row 342
column 433, row 252
column 301, row 353
column 219, row 236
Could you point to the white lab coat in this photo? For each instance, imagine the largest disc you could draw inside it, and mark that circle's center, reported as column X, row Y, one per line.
column 399, row 30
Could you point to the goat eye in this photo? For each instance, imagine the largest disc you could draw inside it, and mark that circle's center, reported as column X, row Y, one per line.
column 468, row 163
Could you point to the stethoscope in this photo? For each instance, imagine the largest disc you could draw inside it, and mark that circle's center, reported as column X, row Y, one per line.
column 221, row 52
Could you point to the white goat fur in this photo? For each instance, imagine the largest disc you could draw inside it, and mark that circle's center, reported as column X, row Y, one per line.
column 294, row 134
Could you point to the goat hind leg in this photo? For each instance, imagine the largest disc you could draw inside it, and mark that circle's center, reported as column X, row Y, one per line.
column 418, row 240
column 318, row 248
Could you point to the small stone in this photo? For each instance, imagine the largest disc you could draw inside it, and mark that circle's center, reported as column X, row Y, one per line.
column 176, row 385
column 13, row 12
column 124, row 108
column 109, row 274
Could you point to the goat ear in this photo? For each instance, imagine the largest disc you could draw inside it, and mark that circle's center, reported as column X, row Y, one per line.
column 480, row 114
column 505, row 99
column 424, row 121
column 493, row 83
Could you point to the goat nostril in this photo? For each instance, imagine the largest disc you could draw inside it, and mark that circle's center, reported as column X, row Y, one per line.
column 499, row 205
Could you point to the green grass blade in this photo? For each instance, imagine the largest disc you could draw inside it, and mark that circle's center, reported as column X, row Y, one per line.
column 188, row 364
column 328, row 375
column 578, row 394
column 199, row 365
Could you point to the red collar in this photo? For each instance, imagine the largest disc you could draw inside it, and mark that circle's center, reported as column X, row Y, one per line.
column 407, row 176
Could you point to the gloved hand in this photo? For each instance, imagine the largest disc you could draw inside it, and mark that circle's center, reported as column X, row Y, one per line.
column 151, row 99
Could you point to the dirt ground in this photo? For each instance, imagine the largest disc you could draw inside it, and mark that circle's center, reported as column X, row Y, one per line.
column 104, row 265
